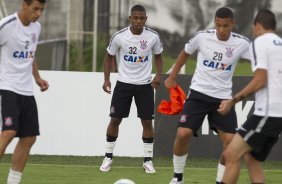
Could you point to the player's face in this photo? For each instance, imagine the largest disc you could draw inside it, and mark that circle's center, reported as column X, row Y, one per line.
column 256, row 30
column 33, row 11
column 223, row 27
column 137, row 20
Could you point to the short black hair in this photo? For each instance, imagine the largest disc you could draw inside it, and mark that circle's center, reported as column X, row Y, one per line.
column 138, row 8
column 30, row 1
column 224, row 12
column 266, row 18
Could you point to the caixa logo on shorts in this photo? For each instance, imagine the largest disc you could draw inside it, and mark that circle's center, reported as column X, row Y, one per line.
column 136, row 59
column 8, row 121
column 23, row 54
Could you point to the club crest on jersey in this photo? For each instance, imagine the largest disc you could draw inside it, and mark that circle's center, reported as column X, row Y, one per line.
column 143, row 45
column 33, row 37
column 229, row 52
column 8, row 121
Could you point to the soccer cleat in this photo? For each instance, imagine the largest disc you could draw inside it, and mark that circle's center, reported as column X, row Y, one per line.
column 174, row 181
column 148, row 167
column 106, row 165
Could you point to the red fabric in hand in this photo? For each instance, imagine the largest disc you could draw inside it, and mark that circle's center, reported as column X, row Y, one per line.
column 175, row 105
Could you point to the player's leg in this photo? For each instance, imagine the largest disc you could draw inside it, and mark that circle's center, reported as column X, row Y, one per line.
column 193, row 114
column 10, row 127
column 255, row 169
column 112, row 134
column 225, row 139
column 5, row 138
column 9, row 122
column 111, row 137
column 267, row 131
column 21, row 153
column 28, row 130
column 225, row 126
column 120, row 107
column 180, row 152
column 148, row 141
column 233, row 154
column 144, row 100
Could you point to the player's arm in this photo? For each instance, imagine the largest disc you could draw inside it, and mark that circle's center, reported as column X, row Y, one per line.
column 43, row 84
column 107, row 70
column 180, row 61
column 159, row 70
column 258, row 82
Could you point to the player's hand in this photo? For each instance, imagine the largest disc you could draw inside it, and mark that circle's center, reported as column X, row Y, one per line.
column 170, row 83
column 225, row 106
column 107, row 87
column 156, row 81
column 43, row 84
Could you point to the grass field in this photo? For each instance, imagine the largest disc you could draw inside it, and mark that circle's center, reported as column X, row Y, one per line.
column 85, row 170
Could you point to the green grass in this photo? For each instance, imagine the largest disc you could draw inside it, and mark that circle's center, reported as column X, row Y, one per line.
column 85, row 170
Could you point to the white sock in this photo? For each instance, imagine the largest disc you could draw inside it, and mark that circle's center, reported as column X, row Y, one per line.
column 14, row 177
column 110, row 147
column 148, row 149
column 179, row 163
column 220, row 172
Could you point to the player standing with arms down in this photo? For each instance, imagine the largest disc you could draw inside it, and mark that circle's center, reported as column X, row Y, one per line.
column 134, row 45
column 261, row 130
column 218, row 53
column 19, row 118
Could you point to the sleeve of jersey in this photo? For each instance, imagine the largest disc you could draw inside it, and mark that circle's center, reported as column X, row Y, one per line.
column 158, row 47
column 192, row 45
column 258, row 54
column 113, row 45
column 246, row 53
column 39, row 31
column 4, row 35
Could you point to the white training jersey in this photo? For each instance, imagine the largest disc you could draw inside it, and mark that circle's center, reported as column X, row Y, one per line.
column 216, row 62
column 266, row 53
column 135, row 54
column 18, row 45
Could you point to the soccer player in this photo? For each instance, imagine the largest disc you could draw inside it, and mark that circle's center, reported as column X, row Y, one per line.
column 19, row 118
column 135, row 45
column 219, row 50
column 260, row 131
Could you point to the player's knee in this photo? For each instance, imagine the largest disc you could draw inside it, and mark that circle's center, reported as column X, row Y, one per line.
column 28, row 141
column 115, row 121
column 229, row 156
column 183, row 135
column 8, row 135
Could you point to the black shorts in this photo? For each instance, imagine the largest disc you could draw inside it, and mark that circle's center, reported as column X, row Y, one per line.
column 198, row 106
column 122, row 98
column 19, row 113
column 261, row 134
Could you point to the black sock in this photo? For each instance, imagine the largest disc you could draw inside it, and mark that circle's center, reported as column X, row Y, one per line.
column 147, row 159
column 109, row 155
column 179, row 176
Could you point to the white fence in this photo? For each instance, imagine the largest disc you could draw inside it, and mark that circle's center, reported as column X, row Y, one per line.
column 73, row 116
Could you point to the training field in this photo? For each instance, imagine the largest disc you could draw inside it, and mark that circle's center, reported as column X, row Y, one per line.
column 85, row 170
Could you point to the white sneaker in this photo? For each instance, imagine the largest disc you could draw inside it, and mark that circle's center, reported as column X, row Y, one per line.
column 148, row 167
column 106, row 165
column 174, row 181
